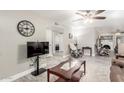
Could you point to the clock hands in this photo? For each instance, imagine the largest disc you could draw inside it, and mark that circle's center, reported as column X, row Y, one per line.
column 26, row 28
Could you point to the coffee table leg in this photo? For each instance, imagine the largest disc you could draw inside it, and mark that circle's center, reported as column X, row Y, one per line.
column 91, row 52
column 48, row 75
column 84, row 67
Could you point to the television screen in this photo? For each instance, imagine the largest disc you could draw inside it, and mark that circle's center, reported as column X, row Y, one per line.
column 37, row 48
column 46, row 47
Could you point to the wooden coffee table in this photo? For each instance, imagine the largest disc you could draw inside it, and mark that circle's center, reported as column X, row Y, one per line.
column 73, row 74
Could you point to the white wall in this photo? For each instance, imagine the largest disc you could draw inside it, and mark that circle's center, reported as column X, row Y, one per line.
column 49, row 38
column 12, row 45
column 13, row 50
column 85, row 37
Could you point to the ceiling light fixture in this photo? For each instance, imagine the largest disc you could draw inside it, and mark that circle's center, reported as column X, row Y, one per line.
column 89, row 15
column 88, row 20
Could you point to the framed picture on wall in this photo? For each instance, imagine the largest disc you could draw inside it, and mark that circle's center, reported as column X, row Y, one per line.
column 70, row 36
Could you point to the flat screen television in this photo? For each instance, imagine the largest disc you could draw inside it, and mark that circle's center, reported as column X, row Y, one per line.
column 37, row 48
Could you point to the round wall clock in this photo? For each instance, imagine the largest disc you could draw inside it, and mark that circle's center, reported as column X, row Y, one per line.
column 26, row 28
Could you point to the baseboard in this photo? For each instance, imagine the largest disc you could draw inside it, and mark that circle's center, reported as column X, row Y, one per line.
column 19, row 75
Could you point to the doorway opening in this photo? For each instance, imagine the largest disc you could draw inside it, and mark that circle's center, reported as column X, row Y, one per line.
column 58, row 44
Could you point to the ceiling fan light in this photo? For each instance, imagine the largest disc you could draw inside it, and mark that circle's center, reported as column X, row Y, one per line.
column 88, row 20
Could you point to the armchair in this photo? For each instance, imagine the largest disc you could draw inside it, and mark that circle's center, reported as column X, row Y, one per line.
column 75, row 52
column 117, row 70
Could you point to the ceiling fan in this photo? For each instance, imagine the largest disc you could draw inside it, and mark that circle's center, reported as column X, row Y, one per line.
column 89, row 15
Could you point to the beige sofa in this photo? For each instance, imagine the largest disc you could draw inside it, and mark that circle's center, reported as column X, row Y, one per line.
column 117, row 70
column 117, row 67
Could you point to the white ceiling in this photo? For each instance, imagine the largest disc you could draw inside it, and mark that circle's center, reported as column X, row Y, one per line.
column 114, row 18
column 65, row 17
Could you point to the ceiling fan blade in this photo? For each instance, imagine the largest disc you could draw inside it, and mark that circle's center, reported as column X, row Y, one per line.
column 122, row 32
column 99, row 17
column 77, row 20
column 80, row 14
column 99, row 11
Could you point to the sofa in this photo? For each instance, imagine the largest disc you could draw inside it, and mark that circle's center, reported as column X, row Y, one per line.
column 117, row 70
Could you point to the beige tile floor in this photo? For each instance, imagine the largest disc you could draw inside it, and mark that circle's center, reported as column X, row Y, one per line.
column 97, row 70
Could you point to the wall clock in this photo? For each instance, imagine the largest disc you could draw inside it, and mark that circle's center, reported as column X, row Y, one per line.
column 26, row 28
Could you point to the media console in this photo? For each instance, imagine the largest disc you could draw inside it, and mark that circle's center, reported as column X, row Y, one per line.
column 35, row 49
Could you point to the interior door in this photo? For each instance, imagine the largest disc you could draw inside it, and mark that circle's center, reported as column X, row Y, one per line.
column 58, row 42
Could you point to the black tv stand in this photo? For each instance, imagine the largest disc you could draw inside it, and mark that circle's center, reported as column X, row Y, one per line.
column 38, row 71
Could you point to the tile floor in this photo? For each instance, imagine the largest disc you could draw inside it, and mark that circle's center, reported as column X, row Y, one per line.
column 97, row 70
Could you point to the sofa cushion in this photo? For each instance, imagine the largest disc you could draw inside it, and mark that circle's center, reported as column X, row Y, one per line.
column 115, row 69
column 116, row 74
column 118, row 62
column 116, row 78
